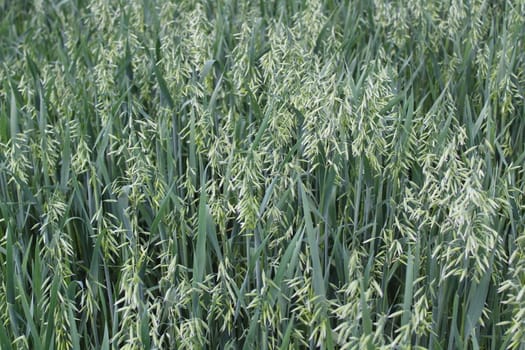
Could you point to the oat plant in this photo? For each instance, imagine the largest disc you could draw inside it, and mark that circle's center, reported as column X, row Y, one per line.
column 284, row 174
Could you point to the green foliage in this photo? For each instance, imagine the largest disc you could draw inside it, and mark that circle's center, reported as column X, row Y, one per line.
column 262, row 174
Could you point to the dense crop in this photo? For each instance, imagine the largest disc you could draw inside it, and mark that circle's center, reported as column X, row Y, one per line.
column 262, row 174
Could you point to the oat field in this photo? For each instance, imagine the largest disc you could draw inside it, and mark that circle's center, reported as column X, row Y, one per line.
column 266, row 174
